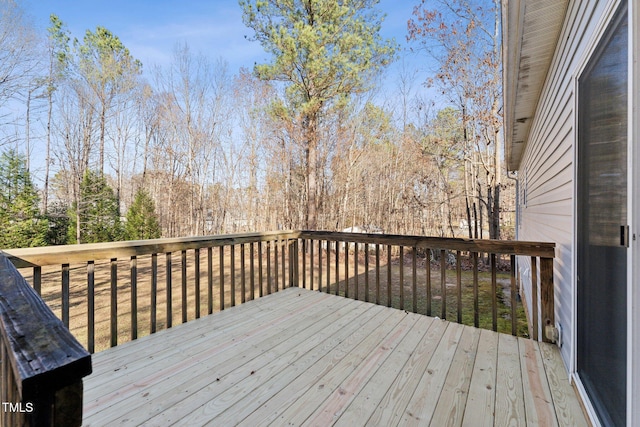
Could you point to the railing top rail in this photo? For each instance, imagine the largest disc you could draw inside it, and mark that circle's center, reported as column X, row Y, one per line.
column 510, row 247
column 68, row 254
column 43, row 353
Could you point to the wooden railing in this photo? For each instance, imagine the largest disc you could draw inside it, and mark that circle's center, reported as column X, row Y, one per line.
column 449, row 254
column 41, row 363
column 103, row 306
column 144, row 303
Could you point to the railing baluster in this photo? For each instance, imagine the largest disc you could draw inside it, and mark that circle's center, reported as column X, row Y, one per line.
column 169, row 290
column 414, row 279
column 268, row 268
column 275, row 264
column 328, row 267
column 296, row 265
column 476, row 309
column 443, row 283
column 304, row 263
column 401, row 278
column 366, row 272
column 154, row 291
column 346, row 269
column 221, row 268
column 388, row 275
column 243, row 281
column 459, row 285
column 337, row 268
column 114, row 302
column 232, row 271
column 514, row 319
column 320, row 265
column 377, row 274
column 283, row 255
column 196, row 261
column 209, row 280
column 260, row 284
column 291, row 251
column 534, row 296
column 494, row 296
column 311, row 262
column 183, row 269
column 252, row 272
column 356, row 264
column 134, row 297
column 65, row 295
column 91, row 315
column 427, row 266
column 37, row 280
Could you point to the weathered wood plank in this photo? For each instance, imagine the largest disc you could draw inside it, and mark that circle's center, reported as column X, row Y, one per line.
column 372, row 349
column 534, row 298
column 238, row 395
column 516, row 247
column 458, row 287
column 538, row 403
column 114, row 302
column 301, row 357
column 183, row 282
column 443, row 284
column 154, row 293
column 494, row 293
column 402, row 339
column 169, row 290
column 134, row 297
column 278, row 393
column 567, row 408
column 509, row 394
column 421, row 406
column 149, row 348
column 453, row 397
column 70, row 254
column 514, row 317
column 401, row 274
column 91, row 320
column 271, row 334
column 39, row 354
column 547, row 313
column 365, row 400
column 480, row 407
column 393, row 405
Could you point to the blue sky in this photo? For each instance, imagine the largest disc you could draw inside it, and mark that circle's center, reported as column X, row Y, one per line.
column 151, row 28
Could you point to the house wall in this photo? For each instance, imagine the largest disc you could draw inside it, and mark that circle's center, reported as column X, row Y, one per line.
column 547, row 167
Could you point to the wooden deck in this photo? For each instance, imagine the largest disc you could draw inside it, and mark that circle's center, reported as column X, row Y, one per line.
column 300, row 357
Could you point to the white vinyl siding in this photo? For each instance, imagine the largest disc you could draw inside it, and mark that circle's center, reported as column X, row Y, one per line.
column 548, row 163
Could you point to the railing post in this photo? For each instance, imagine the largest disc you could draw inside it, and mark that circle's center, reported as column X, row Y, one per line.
column 41, row 363
column 546, row 295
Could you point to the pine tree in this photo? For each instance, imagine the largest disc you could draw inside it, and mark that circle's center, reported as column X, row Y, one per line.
column 20, row 222
column 98, row 212
column 324, row 51
column 142, row 221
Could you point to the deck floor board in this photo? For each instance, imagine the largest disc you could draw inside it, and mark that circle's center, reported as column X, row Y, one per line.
column 300, row 357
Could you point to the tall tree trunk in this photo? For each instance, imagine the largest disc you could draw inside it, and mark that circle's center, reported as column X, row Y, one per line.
column 45, row 191
column 27, row 136
column 311, row 136
column 103, row 124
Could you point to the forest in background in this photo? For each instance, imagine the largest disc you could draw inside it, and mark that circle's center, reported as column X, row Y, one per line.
column 306, row 141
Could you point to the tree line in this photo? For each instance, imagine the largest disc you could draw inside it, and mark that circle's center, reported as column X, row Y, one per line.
column 304, row 141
